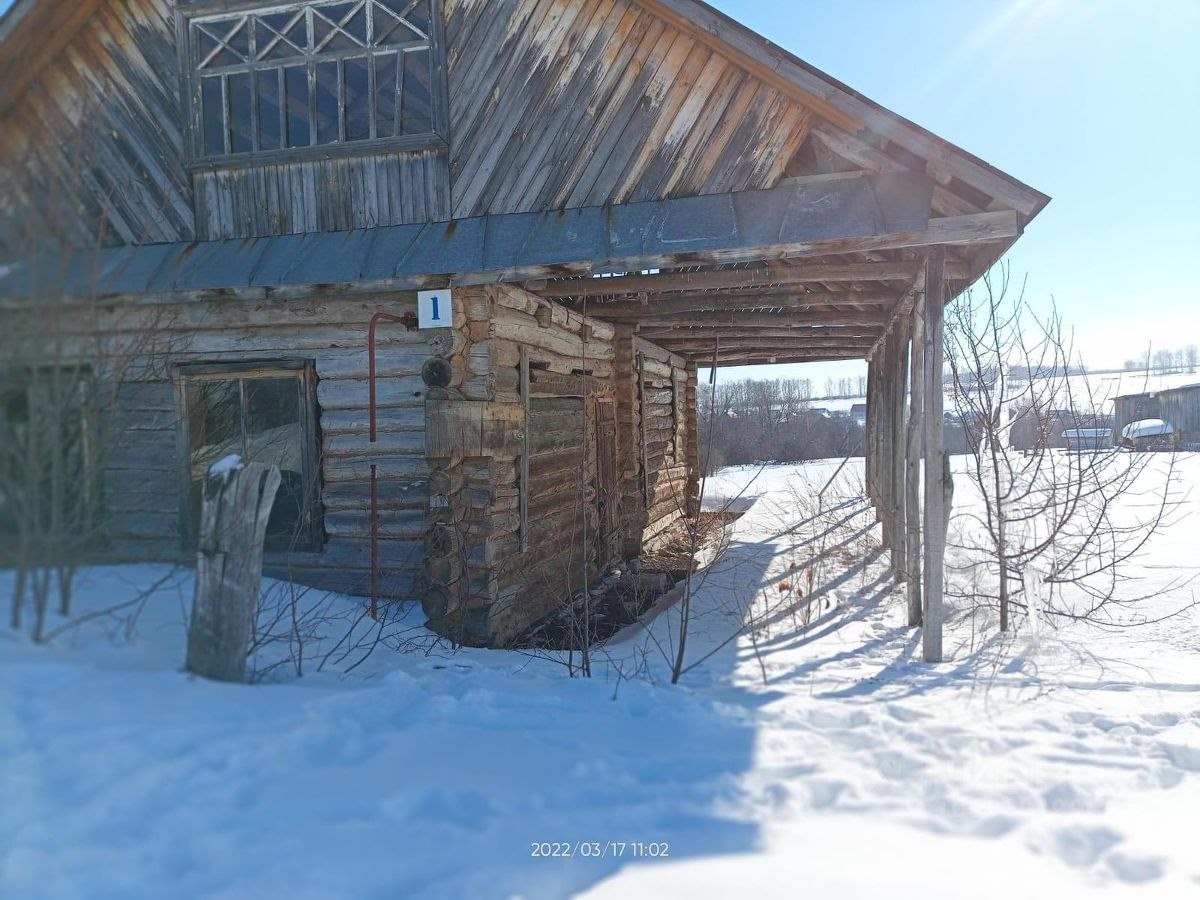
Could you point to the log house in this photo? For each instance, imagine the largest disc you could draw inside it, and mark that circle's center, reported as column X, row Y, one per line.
column 616, row 193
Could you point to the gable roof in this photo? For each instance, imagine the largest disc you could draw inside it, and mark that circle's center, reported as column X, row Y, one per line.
column 854, row 126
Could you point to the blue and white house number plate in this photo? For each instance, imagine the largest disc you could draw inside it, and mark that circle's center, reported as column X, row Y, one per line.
column 435, row 309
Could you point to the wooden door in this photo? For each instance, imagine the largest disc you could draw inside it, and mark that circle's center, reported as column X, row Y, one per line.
column 607, row 489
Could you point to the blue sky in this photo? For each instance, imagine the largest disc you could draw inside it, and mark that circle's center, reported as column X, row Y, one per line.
column 1094, row 102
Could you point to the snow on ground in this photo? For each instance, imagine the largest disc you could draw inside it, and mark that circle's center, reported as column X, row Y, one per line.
column 819, row 760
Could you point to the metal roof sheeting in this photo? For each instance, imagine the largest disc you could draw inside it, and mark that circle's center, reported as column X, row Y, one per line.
column 717, row 228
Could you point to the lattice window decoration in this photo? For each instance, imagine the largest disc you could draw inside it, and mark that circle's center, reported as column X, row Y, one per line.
column 312, row 75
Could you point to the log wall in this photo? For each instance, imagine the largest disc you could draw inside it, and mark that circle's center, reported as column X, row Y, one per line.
column 143, row 478
column 571, row 361
column 667, row 432
column 451, row 517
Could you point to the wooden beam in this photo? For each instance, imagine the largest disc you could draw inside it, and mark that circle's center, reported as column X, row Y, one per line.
column 935, row 534
column 799, row 332
column 869, row 431
column 817, row 315
column 901, row 310
column 686, row 344
column 768, row 358
column 725, row 279
column 899, row 375
column 718, row 302
column 914, row 448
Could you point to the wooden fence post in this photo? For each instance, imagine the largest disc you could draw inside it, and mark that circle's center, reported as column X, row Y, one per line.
column 233, row 524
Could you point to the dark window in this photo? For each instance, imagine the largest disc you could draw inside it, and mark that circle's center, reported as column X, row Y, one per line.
column 321, row 74
column 48, row 488
column 260, row 413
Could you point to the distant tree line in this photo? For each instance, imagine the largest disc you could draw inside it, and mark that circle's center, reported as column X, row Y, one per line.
column 774, row 421
column 1185, row 359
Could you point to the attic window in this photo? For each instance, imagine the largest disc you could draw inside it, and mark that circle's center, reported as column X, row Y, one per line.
column 283, row 80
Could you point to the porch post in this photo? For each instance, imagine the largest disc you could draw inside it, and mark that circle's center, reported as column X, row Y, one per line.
column 914, row 447
column 869, row 433
column 897, row 461
column 935, row 536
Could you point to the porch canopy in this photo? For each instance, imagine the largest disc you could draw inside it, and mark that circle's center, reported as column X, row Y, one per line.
column 813, row 269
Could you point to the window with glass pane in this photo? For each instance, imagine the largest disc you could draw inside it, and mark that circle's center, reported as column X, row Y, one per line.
column 313, row 75
column 262, row 415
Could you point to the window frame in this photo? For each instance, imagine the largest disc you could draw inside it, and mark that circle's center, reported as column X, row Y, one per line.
column 190, row 87
column 312, row 539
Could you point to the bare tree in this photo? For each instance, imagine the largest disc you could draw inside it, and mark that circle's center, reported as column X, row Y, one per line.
column 1050, row 516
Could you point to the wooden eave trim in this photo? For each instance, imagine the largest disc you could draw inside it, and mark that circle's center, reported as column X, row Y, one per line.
column 837, row 103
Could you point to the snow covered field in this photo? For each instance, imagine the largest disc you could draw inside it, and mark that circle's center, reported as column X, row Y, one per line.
column 821, row 760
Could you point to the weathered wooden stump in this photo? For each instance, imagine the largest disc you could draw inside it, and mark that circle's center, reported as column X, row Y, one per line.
column 233, row 524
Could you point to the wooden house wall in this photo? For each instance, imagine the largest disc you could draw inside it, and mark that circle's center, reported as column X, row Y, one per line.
column 562, row 518
column 552, row 104
column 566, row 103
column 336, row 194
column 1181, row 407
column 142, row 479
column 576, row 363
column 666, row 428
column 93, row 151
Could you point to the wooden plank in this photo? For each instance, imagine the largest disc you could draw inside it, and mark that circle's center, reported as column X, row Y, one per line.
column 717, row 302
column 899, row 469
column 914, row 449
column 935, row 537
column 664, row 336
column 685, row 316
column 765, row 276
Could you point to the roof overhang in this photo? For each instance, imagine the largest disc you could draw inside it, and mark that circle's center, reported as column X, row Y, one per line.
column 832, row 256
column 33, row 32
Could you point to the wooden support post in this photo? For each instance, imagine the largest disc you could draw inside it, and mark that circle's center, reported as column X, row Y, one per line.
column 523, row 498
column 883, row 462
column 869, row 433
column 914, row 447
column 935, row 536
column 897, row 461
column 233, row 524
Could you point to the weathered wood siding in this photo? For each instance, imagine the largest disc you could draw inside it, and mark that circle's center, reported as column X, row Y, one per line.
column 566, row 103
column 663, row 430
column 576, row 363
column 553, row 104
column 321, row 195
column 93, row 151
column 571, row 358
column 142, row 479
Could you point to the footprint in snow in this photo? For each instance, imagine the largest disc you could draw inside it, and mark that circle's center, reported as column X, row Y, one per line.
column 1135, row 869
column 1082, row 846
